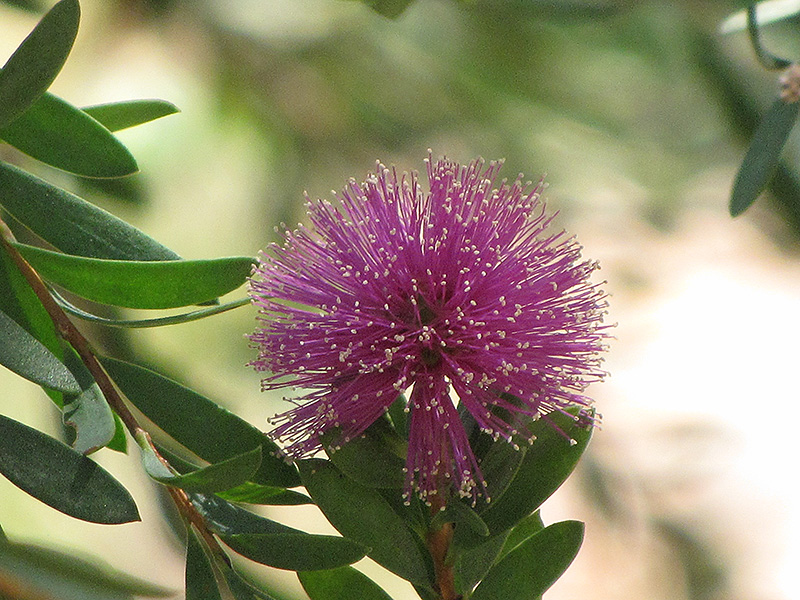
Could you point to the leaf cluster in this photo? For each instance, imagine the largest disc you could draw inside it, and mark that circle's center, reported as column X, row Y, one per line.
column 214, row 465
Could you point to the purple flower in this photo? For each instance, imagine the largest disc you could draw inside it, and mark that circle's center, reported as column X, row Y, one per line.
column 460, row 293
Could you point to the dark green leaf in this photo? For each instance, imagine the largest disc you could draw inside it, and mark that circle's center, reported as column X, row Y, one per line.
column 241, row 589
column 186, row 317
column 140, row 284
column 462, row 515
column 344, row 583
column 529, row 570
column 254, row 493
column 88, row 412
column 218, row 477
column 61, row 477
column 38, row 59
column 121, row 115
column 29, row 358
column 200, row 581
column 765, row 57
column 360, row 513
column 473, row 564
column 296, row 551
column 763, row 155
column 63, row 136
column 547, row 463
column 388, row 8
column 499, row 467
column 71, row 224
column 271, row 543
column 529, row 526
column 47, row 573
column 19, row 301
column 202, row 426
column 369, row 458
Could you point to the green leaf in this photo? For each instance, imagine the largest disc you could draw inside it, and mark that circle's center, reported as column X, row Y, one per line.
column 360, row 513
column 241, row 589
column 87, row 412
column 529, row 570
column 71, row 224
column 388, row 8
column 29, row 358
column 61, row 477
column 462, row 515
column 547, row 463
column 200, row 581
column 271, row 543
column 46, row 573
column 254, row 493
column 119, row 442
column 19, row 301
column 121, row 115
column 344, row 583
column 529, row 526
column 763, row 155
column 214, row 478
column 140, row 284
column 36, row 62
column 472, row 565
column 369, row 458
column 202, row 426
column 63, row 136
column 500, row 466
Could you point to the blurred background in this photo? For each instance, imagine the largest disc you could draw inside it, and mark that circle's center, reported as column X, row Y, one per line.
column 638, row 112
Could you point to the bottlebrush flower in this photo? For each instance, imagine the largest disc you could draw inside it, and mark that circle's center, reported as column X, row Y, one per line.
column 460, row 289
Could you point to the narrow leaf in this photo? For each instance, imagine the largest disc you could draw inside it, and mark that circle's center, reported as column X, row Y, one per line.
column 214, row 478
column 344, row 583
column 29, row 358
column 140, row 284
column 70, row 223
column 763, row 155
column 199, row 576
column 529, row 526
column 271, row 543
column 46, row 573
column 254, row 493
column 202, row 426
column 87, row 413
column 462, row 515
column 36, row 62
column 63, row 136
column 368, row 459
column 19, row 301
column 360, row 513
column 241, row 589
column 529, row 570
column 473, row 565
column 61, row 477
column 121, row 115
column 547, row 463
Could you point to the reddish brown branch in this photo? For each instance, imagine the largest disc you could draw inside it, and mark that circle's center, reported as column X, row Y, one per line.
column 439, row 542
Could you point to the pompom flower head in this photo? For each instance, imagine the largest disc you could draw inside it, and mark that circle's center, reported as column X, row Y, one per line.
column 458, row 295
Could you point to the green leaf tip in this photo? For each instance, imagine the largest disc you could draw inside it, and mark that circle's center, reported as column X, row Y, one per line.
column 763, row 155
column 38, row 59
